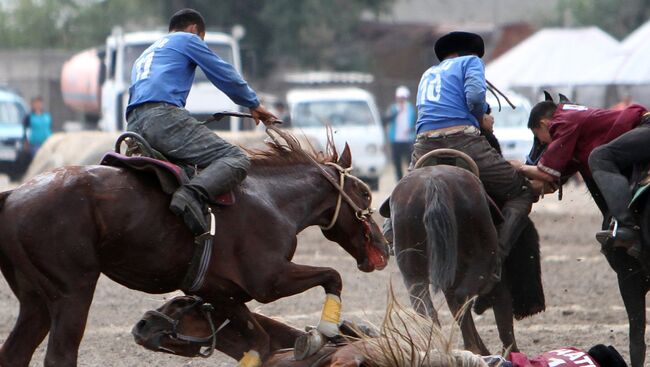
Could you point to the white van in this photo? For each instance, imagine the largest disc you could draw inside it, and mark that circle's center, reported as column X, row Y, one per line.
column 511, row 126
column 353, row 116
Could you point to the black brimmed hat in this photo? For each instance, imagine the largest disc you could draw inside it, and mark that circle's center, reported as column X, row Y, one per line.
column 461, row 42
column 606, row 356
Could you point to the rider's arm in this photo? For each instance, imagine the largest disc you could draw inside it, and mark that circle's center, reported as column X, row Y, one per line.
column 535, row 173
column 221, row 74
column 475, row 87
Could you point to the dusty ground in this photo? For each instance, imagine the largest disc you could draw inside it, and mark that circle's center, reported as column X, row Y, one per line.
column 583, row 304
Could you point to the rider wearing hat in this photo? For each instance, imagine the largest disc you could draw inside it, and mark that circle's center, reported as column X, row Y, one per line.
column 161, row 80
column 598, row 143
column 451, row 110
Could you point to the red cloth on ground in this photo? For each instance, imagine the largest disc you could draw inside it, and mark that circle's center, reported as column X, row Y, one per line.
column 565, row 357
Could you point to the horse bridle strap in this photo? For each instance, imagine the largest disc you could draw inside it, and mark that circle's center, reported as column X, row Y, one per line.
column 344, row 172
column 206, row 310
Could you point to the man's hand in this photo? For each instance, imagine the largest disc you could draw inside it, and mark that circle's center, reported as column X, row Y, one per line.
column 487, row 123
column 260, row 113
column 534, row 173
column 540, row 188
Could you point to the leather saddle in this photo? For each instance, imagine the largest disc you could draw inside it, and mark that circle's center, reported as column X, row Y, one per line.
column 141, row 157
column 450, row 157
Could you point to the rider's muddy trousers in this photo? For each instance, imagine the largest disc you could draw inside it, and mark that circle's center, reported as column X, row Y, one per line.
column 608, row 163
column 184, row 140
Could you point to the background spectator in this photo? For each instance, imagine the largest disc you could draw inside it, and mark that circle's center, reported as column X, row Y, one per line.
column 401, row 129
column 38, row 125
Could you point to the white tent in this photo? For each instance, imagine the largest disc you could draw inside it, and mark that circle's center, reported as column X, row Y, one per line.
column 558, row 57
column 635, row 69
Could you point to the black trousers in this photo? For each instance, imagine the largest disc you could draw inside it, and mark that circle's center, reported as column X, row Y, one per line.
column 607, row 164
column 401, row 152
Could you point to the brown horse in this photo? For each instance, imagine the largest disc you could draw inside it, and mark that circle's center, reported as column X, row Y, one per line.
column 185, row 325
column 444, row 237
column 60, row 230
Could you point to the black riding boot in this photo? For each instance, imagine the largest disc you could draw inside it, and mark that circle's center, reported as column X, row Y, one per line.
column 190, row 201
column 615, row 190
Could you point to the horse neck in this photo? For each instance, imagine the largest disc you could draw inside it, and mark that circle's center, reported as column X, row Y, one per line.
column 299, row 193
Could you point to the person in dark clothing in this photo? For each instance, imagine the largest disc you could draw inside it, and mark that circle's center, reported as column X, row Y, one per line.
column 160, row 82
column 599, row 143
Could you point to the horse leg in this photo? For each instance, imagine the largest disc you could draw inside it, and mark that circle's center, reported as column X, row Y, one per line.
column 471, row 339
column 420, row 296
column 291, row 279
column 69, row 314
column 32, row 325
column 256, row 344
column 633, row 292
column 502, row 307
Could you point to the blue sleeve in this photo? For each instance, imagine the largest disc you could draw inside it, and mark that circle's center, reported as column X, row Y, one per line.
column 221, row 74
column 475, row 87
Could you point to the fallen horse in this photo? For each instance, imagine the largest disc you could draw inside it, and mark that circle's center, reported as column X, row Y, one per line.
column 187, row 326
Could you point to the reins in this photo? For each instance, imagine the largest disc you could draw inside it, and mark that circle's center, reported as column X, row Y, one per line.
column 361, row 214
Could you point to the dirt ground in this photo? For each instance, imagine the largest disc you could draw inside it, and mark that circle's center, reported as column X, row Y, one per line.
column 583, row 304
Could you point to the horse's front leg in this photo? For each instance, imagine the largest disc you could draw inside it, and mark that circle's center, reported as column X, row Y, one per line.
column 291, row 279
column 633, row 291
column 250, row 344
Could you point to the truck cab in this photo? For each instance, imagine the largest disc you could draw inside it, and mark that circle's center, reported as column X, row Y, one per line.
column 14, row 157
column 122, row 49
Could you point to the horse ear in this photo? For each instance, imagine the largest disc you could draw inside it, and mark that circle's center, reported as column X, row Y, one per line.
column 564, row 99
column 345, row 160
column 547, row 96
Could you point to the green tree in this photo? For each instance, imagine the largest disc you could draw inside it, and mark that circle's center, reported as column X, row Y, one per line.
column 616, row 17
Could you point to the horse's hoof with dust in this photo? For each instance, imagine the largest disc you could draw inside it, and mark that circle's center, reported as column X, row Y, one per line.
column 308, row 344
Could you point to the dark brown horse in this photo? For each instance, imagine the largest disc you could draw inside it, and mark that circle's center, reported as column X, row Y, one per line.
column 445, row 237
column 60, row 230
column 185, row 325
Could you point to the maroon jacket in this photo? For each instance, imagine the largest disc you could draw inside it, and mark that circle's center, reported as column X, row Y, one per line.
column 576, row 130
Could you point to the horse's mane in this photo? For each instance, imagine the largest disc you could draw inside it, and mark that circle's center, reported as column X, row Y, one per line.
column 407, row 339
column 289, row 151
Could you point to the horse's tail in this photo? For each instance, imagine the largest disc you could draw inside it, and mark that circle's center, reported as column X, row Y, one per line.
column 442, row 233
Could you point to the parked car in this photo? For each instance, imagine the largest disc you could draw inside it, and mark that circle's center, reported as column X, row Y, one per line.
column 14, row 157
column 354, row 118
column 510, row 126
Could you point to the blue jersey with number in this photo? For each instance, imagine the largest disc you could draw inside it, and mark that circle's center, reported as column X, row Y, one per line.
column 452, row 94
column 165, row 73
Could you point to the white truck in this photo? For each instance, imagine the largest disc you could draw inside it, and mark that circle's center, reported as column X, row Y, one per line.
column 102, row 88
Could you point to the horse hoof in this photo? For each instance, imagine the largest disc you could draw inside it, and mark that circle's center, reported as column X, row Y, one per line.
column 308, row 344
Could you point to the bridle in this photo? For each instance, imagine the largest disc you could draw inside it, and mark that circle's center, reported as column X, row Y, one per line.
column 363, row 214
column 206, row 310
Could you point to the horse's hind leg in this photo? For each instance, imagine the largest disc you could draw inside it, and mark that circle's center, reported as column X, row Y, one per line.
column 68, row 316
column 420, row 296
column 32, row 325
column 471, row 338
column 502, row 307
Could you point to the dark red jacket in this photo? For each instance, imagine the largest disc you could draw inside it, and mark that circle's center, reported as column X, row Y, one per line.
column 576, row 130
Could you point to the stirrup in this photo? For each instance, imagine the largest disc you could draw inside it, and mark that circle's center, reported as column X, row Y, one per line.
column 211, row 232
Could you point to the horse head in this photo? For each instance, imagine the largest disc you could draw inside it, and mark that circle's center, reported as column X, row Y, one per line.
column 352, row 225
column 183, row 326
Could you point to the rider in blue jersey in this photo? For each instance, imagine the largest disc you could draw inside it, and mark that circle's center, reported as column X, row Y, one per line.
column 451, row 110
column 161, row 80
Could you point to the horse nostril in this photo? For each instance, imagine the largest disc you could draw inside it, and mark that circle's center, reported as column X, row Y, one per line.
column 140, row 325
